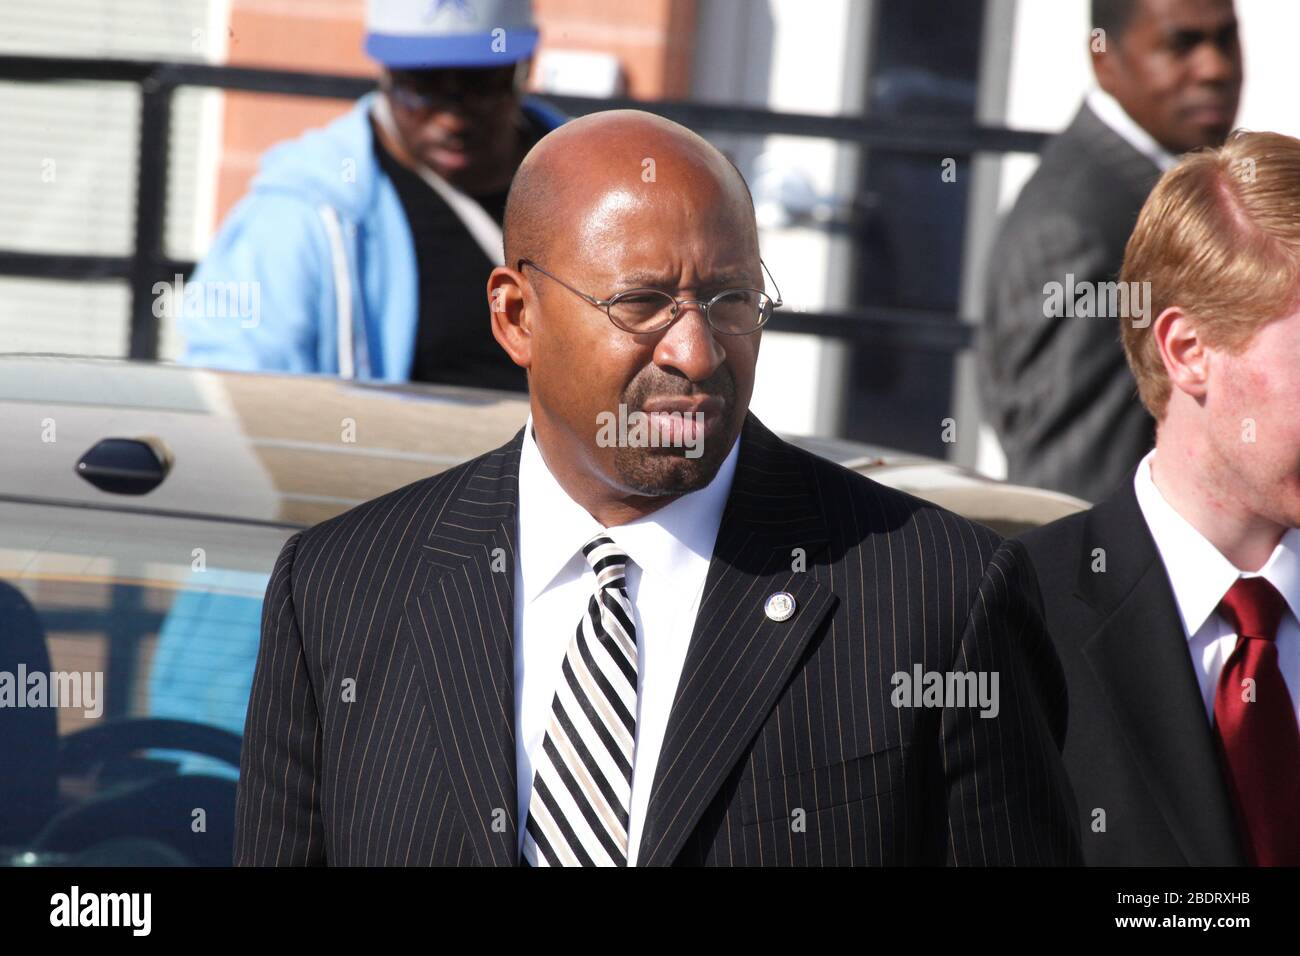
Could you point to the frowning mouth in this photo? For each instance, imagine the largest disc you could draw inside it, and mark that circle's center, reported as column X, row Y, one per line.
column 685, row 426
column 686, row 420
column 708, row 405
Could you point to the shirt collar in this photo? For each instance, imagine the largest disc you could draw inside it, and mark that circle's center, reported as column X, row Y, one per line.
column 1110, row 112
column 553, row 527
column 1198, row 572
column 1282, row 569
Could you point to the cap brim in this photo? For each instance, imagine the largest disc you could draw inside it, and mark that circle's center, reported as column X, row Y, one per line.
column 405, row 51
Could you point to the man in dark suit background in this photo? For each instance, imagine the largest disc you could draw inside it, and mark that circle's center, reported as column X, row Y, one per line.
column 591, row 647
column 1174, row 602
column 1053, row 381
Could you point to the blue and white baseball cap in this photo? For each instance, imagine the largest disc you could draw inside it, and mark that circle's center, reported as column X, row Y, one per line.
column 426, row 34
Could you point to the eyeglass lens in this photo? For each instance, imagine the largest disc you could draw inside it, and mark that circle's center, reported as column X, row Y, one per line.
column 737, row 310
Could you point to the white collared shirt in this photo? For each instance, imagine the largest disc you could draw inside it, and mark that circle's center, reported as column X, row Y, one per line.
column 1110, row 112
column 669, row 552
column 1201, row 576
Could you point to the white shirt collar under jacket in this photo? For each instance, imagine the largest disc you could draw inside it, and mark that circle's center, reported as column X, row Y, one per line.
column 1110, row 112
column 1198, row 571
column 679, row 535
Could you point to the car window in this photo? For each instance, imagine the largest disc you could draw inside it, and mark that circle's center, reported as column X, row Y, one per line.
column 127, row 648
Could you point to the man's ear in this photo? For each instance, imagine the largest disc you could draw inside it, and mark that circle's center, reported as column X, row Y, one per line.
column 511, row 314
column 1183, row 351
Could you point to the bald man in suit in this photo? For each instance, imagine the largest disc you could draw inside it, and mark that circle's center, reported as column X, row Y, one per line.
column 647, row 631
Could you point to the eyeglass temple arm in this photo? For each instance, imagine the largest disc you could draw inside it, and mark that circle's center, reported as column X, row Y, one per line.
column 598, row 303
column 777, row 304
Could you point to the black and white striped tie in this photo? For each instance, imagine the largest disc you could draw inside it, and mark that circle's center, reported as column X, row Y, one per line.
column 582, row 789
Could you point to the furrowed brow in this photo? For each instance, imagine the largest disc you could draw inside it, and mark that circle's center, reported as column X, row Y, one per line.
column 652, row 280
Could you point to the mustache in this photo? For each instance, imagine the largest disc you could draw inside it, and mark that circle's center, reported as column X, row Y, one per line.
column 656, row 383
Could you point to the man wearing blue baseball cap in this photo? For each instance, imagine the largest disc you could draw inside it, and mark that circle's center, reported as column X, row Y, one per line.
column 368, row 242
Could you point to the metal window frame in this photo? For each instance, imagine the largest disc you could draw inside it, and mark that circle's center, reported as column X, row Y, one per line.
column 158, row 80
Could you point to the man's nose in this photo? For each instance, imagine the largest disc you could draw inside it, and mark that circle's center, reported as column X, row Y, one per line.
column 690, row 345
column 452, row 119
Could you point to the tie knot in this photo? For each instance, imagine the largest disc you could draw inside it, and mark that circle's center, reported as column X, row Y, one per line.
column 606, row 558
column 1253, row 607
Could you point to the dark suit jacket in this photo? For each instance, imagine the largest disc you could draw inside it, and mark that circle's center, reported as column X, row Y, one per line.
column 1058, row 391
column 1139, row 746
column 400, row 596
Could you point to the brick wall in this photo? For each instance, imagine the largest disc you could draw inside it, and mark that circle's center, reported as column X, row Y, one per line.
column 653, row 40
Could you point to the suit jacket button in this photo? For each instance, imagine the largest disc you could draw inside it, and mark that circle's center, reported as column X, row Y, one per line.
column 780, row 606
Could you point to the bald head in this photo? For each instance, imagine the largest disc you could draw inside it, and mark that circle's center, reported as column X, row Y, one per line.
column 579, row 165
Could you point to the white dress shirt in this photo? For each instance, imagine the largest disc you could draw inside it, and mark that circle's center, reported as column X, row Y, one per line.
column 669, row 553
column 1110, row 112
column 1201, row 576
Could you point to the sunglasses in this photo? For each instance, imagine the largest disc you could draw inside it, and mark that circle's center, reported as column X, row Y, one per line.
column 423, row 90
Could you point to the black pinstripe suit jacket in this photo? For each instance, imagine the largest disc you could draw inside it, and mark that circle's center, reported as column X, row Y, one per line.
column 380, row 729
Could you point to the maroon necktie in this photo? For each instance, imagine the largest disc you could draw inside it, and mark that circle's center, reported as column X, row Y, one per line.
column 1258, row 738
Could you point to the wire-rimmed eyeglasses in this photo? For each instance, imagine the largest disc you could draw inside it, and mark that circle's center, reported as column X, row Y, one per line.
column 642, row 311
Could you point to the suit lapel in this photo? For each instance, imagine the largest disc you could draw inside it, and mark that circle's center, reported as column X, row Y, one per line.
column 738, row 659
column 462, row 620
column 1140, row 657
